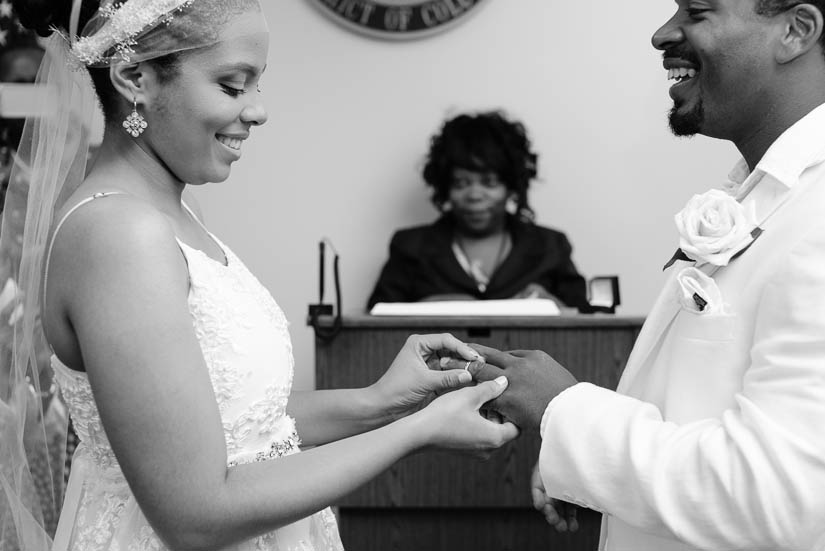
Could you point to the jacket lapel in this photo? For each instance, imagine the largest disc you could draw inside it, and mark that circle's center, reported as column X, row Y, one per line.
column 766, row 200
column 659, row 319
column 767, row 189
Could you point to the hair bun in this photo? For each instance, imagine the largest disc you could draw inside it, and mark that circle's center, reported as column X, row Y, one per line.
column 42, row 16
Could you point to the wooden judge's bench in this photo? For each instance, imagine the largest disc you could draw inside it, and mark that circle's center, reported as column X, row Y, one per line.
column 447, row 501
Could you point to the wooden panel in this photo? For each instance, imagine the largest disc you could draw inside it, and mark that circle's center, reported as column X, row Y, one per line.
column 463, row 530
column 445, row 479
column 357, row 357
column 441, row 500
column 415, row 323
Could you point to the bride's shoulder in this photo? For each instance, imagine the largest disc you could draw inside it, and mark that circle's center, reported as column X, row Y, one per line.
column 111, row 225
column 109, row 250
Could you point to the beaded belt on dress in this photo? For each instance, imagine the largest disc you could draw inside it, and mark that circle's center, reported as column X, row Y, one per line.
column 276, row 449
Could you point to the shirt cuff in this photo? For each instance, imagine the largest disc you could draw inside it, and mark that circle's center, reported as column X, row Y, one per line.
column 554, row 403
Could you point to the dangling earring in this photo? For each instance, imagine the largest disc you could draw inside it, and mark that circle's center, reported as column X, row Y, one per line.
column 135, row 124
column 512, row 205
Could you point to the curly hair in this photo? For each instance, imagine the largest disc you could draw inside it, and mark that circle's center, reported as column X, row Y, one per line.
column 487, row 142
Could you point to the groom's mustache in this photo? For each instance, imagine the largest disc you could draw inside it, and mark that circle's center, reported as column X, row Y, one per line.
column 682, row 52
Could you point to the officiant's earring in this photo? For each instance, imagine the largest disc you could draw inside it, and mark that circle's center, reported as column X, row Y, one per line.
column 511, row 206
column 135, row 124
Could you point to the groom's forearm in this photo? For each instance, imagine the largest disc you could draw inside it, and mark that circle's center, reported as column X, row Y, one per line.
column 323, row 416
column 713, row 483
column 749, row 476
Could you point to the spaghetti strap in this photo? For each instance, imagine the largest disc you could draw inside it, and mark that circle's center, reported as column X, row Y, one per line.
column 192, row 214
column 57, row 229
column 214, row 239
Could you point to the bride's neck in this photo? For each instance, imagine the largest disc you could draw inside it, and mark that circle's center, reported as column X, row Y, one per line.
column 126, row 163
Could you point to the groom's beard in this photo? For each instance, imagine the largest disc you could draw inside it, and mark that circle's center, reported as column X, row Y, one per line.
column 687, row 124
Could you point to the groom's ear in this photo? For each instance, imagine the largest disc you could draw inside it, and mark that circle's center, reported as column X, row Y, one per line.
column 802, row 30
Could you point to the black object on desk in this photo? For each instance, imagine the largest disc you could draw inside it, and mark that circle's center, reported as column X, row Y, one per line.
column 328, row 331
column 603, row 294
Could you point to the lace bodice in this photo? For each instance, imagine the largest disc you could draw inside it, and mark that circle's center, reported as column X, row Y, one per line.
column 245, row 341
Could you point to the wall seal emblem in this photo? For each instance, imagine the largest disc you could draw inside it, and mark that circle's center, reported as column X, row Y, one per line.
column 398, row 19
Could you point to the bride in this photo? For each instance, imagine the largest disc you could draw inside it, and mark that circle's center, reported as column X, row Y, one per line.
column 174, row 361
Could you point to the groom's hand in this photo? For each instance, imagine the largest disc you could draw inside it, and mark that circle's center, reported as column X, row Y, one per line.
column 558, row 514
column 534, row 379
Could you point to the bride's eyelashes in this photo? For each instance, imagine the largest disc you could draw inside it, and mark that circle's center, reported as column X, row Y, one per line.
column 235, row 92
column 232, row 91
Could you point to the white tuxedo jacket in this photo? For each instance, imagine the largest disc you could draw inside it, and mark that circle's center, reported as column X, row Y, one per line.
column 715, row 438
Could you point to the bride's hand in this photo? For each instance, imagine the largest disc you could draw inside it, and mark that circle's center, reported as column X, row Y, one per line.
column 419, row 370
column 453, row 421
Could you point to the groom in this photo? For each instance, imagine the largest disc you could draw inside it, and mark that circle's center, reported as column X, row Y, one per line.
column 715, row 437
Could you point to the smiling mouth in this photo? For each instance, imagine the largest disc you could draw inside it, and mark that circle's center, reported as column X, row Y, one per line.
column 474, row 219
column 681, row 74
column 231, row 143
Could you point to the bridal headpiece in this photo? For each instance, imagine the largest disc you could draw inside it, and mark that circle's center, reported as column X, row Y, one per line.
column 113, row 32
column 50, row 163
column 130, row 31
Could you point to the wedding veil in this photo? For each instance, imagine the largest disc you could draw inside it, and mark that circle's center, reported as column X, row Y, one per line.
column 49, row 165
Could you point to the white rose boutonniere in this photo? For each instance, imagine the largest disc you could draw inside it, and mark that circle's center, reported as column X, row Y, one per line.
column 698, row 292
column 714, row 228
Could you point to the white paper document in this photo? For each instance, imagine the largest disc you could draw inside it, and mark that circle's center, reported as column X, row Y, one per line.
column 509, row 307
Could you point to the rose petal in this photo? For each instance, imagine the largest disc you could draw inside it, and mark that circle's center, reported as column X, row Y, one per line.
column 713, row 227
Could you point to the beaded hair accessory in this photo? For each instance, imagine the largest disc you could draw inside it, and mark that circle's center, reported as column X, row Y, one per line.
column 120, row 26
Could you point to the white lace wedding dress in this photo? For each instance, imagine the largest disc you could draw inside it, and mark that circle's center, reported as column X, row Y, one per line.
column 246, row 344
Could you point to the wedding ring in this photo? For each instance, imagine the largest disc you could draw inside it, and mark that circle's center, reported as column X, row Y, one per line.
column 467, row 366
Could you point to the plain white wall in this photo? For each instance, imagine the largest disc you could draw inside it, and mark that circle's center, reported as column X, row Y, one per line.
column 351, row 116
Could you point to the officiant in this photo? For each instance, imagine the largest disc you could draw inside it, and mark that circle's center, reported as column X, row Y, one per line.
column 485, row 244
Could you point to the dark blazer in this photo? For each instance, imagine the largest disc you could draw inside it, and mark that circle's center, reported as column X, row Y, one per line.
column 422, row 264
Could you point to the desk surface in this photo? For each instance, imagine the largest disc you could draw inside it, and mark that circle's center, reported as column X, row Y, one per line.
column 576, row 320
